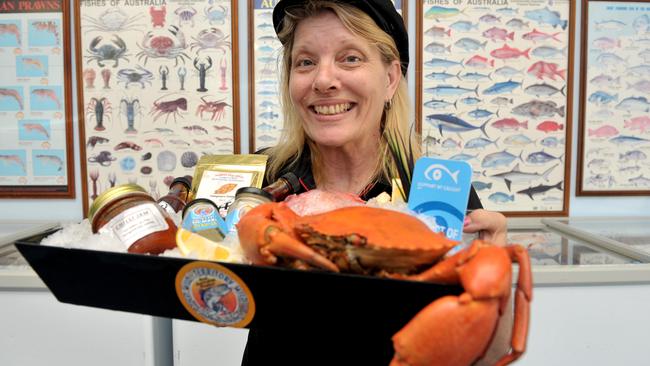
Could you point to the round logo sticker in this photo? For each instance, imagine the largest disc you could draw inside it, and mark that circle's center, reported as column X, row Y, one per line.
column 214, row 294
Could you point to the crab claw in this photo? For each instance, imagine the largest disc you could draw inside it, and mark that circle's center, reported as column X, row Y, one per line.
column 265, row 234
column 95, row 42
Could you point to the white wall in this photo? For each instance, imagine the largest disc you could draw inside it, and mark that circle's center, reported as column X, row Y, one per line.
column 39, row 209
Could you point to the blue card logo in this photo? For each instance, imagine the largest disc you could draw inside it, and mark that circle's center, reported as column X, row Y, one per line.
column 440, row 189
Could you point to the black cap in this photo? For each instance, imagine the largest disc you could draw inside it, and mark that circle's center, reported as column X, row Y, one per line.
column 381, row 11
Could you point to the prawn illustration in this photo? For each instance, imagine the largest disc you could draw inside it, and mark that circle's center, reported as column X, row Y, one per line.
column 33, row 63
column 13, row 159
column 48, row 94
column 49, row 27
column 51, row 160
column 13, row 94
column 36, row 127
column 10, row 29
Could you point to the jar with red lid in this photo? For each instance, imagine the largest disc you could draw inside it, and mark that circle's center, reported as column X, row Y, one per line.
column 135, row 218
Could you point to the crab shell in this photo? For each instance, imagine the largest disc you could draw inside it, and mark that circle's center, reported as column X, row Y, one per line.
column 368, row 240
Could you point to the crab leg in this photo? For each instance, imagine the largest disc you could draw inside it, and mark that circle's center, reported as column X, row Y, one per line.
column 265, row 234
column 468, row 321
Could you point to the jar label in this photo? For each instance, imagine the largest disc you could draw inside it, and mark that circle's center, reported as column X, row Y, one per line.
column 135, row 223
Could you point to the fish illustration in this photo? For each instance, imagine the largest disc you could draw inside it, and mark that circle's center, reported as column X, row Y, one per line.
column 440, row 12
column 480, row 143
column 640, row 181
column 463, row 26
column 551, row 141
column 549, row 52
column 480, row 186
column 541, row 69
column 606, row 43
column 638, row 104
column 507, row 52
column 497, row 159
column 475, row 76
column 540, row 189
column 441, row 62
column 550, row 126
column 546, row 16
column 538, row 108
column 641, row 85
column 502, row 101
column 470, row 44
column 498, row 34
column 602, row 98
column 627, row 140
column 517, row 176
column 517, row 140
column 610, row 24
column 450, row 143
column 265, row 126
column 634, row 155
column 440, row 76
column 509, row 124
column 470, row 101
column 517, row 23
column 507, row 71
column 537, row 36
column 610, row 59
column 436, row 47
column 479, row 62
column 52, row 160
column 268, row 115
column 451, row 123
column 544, row 90
column 449, row 90
column 541, row 157
column 502, row 87
column 438, row 104
column 489, row 18
column 500, row 197
column 437, row 32
column 641, row 123
column 481, row 113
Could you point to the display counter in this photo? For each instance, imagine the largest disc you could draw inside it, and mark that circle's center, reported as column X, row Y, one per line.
column 39, row 330
column 589, row 307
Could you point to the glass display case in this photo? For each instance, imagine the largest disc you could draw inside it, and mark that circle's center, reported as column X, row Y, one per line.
column 547, row 247
column 629, row 236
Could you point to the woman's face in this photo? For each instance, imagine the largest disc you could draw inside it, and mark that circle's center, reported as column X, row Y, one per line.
column 339, row 83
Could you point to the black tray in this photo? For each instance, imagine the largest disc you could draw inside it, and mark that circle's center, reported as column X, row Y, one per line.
column 283, row 297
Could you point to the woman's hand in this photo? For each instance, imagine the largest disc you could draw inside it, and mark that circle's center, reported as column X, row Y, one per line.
column 491, row 226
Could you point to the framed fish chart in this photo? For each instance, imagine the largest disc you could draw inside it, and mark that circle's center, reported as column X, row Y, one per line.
column 158, row 89
column 264, row 60
column 36, row 150
column 614, row 137
column 494, row 89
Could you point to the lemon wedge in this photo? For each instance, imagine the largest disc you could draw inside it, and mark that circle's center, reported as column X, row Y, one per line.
column 190, row 243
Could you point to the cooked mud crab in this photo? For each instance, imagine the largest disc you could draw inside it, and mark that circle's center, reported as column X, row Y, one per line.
column 393, row 244
column 169, row 44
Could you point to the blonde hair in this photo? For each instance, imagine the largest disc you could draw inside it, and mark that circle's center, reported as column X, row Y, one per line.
column 395, row 119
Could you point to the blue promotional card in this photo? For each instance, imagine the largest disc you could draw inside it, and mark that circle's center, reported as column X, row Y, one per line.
column 440, row 189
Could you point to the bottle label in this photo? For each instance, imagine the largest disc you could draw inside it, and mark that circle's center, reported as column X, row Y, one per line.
column 135, row 223
column 167, row 207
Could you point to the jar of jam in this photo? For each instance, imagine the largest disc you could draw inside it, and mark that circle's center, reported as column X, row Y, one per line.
column 133, row 216
column 246, row 198
column 179, row 193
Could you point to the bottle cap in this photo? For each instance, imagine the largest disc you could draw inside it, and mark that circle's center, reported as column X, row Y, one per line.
column 187, row 182
column 254, row 190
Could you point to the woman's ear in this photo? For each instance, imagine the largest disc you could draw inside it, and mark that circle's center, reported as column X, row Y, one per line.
column 394, row 77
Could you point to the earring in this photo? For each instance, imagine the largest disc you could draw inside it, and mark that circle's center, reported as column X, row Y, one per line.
column 388, row 104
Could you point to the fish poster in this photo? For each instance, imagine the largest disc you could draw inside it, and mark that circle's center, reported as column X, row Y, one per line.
column 615, row 116
column 36, row 133
column 494, row 90
column 159, row 80
column 265, row 60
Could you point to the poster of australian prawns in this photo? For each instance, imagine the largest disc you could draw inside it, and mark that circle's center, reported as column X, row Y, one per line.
column 615, row 111
column 36, row 126
column 493, row 90
column 158, row 89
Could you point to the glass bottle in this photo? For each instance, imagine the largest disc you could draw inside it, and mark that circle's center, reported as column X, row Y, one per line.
column 178, row 196
column 284, row 186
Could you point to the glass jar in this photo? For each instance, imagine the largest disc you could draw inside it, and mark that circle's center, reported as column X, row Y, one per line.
column 246, row 199
column 133, row 216
column 179, row 193
column 201, row 216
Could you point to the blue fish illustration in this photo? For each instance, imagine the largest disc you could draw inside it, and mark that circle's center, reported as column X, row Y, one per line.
column 441, row 62
column 500, row 197
column 475, row 76
column 601, row 97
column 438, row 104
column 450, row 90
column 541, row 157
column 440, row 76
column 627, row 140
column 470, row 100
column 480, row 142
column 463, row 26
column 268, row 115
column 497, row 159
column 502, row 87
column 452, row 123
column 481, row 113
column 479, row 186
column 546, row 16
column 268, row 104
